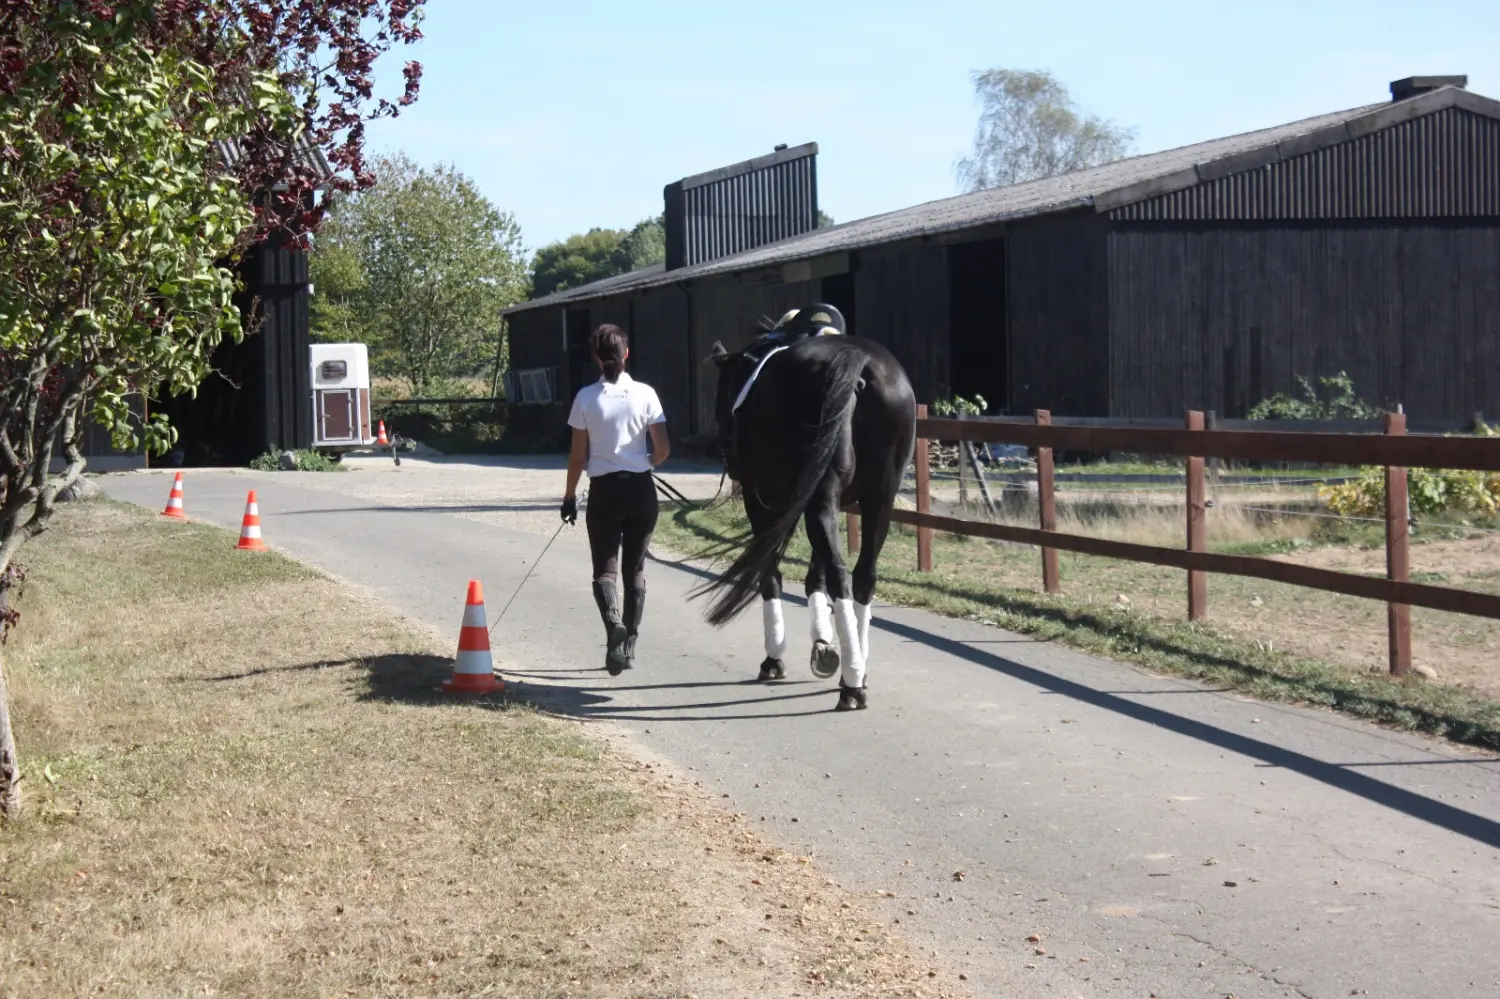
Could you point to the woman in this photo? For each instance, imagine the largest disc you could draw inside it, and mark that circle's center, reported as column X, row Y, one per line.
column 612, row 420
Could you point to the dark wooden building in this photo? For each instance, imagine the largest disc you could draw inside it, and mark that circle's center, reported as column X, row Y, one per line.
column 1209, row 276
column 259, row 396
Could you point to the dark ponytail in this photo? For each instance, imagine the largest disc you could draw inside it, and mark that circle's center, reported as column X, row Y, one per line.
column 608, row 344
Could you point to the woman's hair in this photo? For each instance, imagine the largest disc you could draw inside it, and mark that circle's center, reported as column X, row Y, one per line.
column 608, row 344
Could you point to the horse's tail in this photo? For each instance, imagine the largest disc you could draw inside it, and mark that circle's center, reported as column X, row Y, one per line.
column 740, row 583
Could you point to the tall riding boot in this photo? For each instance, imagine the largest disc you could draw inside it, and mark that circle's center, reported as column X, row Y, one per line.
column 608, row 600
column 635, row 606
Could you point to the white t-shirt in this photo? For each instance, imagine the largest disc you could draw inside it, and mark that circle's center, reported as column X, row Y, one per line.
column 616, row 417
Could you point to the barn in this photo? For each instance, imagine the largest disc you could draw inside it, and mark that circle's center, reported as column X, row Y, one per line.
column 259, row 397
column 1205, row 277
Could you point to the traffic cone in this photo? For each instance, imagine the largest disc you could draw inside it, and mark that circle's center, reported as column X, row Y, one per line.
column 250, row 528
column 381, row 438
column 473, row 669
column 174, row 501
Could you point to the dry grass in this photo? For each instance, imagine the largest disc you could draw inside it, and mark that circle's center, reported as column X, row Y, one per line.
column 240, row 783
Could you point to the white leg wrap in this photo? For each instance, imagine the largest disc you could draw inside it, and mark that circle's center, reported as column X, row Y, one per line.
column 851, row 652
column 862, row 615
column 822, row 617
column 775, row 625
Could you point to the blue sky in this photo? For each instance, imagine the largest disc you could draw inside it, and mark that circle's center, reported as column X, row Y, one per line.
column 574, row 115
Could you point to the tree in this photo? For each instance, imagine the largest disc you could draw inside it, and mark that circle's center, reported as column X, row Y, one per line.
column 596, row 255
column 825, row 220
column 578, row 260
column 338, row 281
column 1030, row 128
column 644, row 245
column 120, row 214
column 426, row 263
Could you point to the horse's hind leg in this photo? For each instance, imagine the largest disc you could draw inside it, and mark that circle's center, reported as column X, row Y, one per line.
column 773, row 621
column 825, row 655
column 822, row 532
column 873, row 532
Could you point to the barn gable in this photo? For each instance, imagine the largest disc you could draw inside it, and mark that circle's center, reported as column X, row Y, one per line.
column 1434, row 156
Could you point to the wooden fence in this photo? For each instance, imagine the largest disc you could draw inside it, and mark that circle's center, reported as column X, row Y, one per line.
column 1394, row 449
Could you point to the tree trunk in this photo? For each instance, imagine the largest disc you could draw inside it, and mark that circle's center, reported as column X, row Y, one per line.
column 10, row 763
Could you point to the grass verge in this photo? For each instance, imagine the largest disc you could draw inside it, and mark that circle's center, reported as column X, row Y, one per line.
column 989, row 582
column 240, row 782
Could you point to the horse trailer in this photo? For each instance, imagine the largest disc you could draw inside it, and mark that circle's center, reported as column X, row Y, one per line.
column 340, row 398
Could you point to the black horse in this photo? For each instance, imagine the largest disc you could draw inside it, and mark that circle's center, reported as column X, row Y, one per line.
column 810, row 419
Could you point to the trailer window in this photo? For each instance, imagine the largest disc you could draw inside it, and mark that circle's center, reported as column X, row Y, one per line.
column 334, row 370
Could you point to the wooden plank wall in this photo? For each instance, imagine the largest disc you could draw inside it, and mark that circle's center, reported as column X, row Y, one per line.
column 660, row 352
column 902, row 297
column 536, row 339
column 729, row 310
column 1218, row 316
column 1059, row 315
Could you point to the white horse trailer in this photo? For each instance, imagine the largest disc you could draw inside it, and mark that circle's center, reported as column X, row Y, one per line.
column 341, row 398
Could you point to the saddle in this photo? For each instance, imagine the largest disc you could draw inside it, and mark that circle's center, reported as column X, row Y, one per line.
column 817, row 319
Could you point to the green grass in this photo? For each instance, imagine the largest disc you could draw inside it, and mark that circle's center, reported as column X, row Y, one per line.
column 307, row 461
column 978, row 580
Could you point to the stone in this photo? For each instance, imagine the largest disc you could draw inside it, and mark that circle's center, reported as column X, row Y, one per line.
column 82, row 489
column 288, row 461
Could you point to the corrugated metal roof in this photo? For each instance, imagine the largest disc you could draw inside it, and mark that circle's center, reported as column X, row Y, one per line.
column 1104, row 188
column 309, row 155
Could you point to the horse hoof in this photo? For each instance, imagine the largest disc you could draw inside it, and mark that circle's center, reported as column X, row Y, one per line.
column 825, row 660
column 772, row 669
column 852, row 699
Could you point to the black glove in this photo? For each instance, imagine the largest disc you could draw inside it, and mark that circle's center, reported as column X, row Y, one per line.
column 570, row 510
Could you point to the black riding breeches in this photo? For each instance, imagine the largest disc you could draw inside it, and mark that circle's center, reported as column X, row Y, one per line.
column 621, row 511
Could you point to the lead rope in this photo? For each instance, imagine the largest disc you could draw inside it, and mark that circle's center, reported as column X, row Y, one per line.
column 534, row 564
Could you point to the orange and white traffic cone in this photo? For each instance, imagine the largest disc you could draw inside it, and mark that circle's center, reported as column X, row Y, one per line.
column 174, row 501
column 473, row 669
column 381, row 438
column 250, row 528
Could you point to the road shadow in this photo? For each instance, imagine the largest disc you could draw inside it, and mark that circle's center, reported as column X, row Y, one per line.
column 598, row 702
column 417, row 679
column 410, row 678
column 1337, row 775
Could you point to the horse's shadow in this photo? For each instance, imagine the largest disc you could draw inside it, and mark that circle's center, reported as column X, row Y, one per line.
column 599, row 702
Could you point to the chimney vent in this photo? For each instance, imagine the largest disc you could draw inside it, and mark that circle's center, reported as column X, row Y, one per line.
column 741, row 206
column 1412, row 86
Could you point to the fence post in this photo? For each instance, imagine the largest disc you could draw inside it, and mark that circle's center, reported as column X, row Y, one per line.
column 1397, row 554
column 1196, row 534
column 1046, row 501
column 853, row 520
column 924, row 498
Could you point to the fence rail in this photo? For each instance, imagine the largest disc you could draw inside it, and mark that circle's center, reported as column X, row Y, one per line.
column 1391, row 447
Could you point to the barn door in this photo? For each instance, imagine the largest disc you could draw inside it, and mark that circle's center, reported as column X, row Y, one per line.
column 336, row 415
column 980, row 354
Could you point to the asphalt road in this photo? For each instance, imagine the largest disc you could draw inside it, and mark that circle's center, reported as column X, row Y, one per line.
column 1161, row 838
